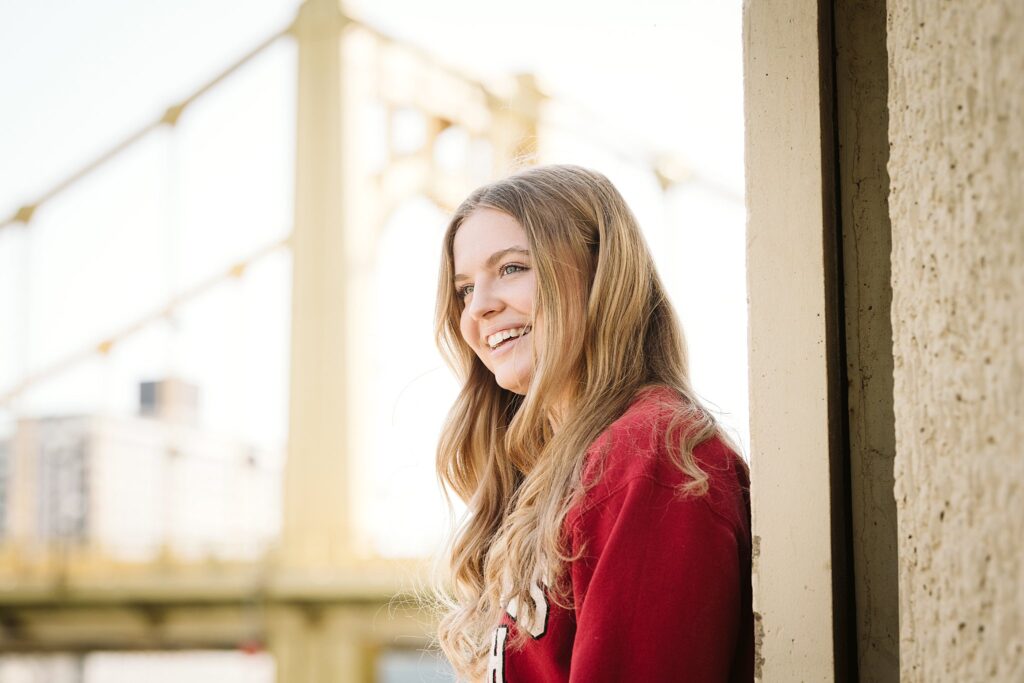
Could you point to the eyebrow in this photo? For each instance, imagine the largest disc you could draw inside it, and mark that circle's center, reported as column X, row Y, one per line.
column 494, row 258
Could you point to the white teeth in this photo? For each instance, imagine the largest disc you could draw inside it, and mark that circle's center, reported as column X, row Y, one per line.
column 499, row 337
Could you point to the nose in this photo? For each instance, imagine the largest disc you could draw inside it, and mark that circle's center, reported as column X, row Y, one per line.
column 483, row 302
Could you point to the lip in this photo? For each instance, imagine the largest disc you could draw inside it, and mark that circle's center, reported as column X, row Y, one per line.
column 488, row 333
column 504, row 348
column 503, row 328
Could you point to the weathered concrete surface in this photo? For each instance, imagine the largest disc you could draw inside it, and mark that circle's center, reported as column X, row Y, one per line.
column 861, row 83
column 956, row 127
column 789, row 379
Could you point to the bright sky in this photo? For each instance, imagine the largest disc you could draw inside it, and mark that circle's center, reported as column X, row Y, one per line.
column 75, row 78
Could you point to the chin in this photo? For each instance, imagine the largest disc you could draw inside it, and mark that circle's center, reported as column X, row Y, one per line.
column 516, row 385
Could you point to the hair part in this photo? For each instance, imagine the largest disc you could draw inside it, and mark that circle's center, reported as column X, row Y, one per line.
column 598, row 294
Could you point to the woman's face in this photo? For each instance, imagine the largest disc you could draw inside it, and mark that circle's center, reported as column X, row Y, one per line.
column 496, row 282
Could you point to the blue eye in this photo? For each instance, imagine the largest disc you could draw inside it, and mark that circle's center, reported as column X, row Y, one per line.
column 507, row 269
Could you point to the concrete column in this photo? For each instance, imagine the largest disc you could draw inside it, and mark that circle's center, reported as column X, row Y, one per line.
column 792, row 391
column 956, row 130
column 861, row 83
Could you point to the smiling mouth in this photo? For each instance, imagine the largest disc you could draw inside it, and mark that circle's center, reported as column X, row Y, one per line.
column 505, row 342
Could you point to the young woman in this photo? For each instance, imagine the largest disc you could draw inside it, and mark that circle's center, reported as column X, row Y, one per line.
column 607, row 535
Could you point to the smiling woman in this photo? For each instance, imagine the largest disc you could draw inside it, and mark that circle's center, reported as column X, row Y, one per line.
column 497, row 286
column 607, row 535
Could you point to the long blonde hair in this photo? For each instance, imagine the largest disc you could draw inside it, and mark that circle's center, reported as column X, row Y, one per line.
column 608, row 332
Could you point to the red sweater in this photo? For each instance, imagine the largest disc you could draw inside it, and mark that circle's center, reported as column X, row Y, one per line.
column 662, row 589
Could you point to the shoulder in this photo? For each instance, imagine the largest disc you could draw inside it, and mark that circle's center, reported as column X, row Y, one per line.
column 628, row 447
column 632, row 455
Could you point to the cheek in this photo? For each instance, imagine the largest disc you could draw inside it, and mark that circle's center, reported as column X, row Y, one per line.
column 467, row 328
column 526, row 293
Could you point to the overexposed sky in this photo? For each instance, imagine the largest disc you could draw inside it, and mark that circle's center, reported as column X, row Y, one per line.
column 76, row 76
column 644, row 77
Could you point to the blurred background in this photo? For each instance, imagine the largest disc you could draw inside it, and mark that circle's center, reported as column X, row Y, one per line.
column 220, row 227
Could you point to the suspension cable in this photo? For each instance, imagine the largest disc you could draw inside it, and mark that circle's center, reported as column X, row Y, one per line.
column 105, row 346
column 169, row 118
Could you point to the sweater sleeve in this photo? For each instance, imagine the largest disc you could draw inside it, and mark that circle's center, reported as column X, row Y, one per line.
column 656, row 587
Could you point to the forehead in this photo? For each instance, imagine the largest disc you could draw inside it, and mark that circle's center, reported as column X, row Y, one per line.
column 482, row 233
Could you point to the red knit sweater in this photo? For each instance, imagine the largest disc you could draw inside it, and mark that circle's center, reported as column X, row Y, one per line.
column 662, row 590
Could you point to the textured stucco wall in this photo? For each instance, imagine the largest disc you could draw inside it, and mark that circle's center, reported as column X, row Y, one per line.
column 956, row 127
